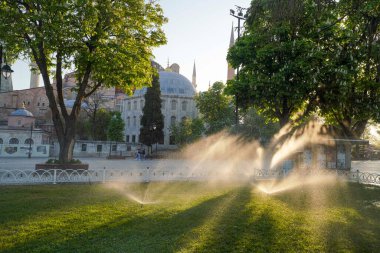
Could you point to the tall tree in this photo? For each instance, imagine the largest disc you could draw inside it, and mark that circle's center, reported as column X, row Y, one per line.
column 349, row 93
column 216, row 108
column 115, row 130
column 274, row 58
column 152, row 121
column 108, row 41
column 94, row 104
column 255, row 126
column 297, row 56
column 187, row 131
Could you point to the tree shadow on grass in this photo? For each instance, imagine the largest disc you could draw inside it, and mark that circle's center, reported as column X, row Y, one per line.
column 20, row 202
column 151, row 232
column 235, row 233
column 254, row 223
column 361, row 230
column 346, row 220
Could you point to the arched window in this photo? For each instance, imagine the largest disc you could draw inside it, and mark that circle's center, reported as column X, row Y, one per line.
column 172, row 120
column 134, row 121
column 129, row 106
column 135, row 105
column 128, row 121
column 174, row 104
column 29, row 141
column 184, row 106
column 184, row 118
column 13, row 141
column 1, row 141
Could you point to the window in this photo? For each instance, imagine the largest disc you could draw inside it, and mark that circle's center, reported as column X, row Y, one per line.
column 163, row 104
column 18, row 122
column 29, row 141
column 174, row 105
column 13, row 141
column 133, row 138
column 1, row 141
column 128, row 121
column 142, row 104
column 114, row 147
column 99, row 148
column 43, row 104
column 184, row 119
column 140, row 120
column 38, row 104
column 127, row 138
column 129, row 106
column 135, row 105
column 172, row 120
column 134, row 121
column 84, row 147
column 171, row 140
column 184, row 105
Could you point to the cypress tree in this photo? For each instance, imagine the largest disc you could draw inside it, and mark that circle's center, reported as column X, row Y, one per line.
column 152, row 115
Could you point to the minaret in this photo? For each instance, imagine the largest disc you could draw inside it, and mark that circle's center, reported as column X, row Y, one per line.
column 34, row 75
column 194, row 80
column 231, row 71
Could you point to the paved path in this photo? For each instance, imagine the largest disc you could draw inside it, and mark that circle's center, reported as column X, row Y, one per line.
column 366, row 166
column 129, row 163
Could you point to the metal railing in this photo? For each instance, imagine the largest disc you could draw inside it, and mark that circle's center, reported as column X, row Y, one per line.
column 57, row 176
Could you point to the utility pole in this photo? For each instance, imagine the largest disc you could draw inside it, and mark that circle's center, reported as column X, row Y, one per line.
column 1, row 62
column 240, row 16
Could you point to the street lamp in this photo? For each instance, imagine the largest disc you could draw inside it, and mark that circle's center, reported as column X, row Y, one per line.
column 152, row 129
column 30, row 141
column 5, row 70
column 240, row 16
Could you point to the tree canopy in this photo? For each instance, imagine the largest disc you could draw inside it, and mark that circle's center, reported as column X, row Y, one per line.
column 106, row 41
column 187, row 131
column 115, row 129
column 216, row 108
column 300, row 56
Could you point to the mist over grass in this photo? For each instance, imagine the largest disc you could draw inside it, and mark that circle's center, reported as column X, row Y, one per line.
column 189, row 217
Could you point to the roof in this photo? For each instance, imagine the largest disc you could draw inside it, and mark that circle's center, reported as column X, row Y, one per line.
column 22, row 112
column 172, row 83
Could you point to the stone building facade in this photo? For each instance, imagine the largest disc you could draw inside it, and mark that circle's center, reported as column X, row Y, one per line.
column 20, row 136
column 177, row 95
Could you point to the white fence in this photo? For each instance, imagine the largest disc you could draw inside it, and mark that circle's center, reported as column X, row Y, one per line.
column 55, row 176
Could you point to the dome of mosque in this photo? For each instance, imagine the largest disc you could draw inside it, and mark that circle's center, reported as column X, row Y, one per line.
column 69, row 103
column 22, row 112
column 172, row 83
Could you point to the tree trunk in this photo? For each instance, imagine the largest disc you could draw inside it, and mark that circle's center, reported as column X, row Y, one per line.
column 66, row 149
column 67, row 142
column 359, row 128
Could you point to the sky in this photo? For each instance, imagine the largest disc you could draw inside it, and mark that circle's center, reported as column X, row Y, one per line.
column 197, row 30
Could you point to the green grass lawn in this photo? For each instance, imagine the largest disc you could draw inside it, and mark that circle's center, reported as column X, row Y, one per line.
column 189, row 217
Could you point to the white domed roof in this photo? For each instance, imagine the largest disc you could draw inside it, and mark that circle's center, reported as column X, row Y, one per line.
column 172, row 83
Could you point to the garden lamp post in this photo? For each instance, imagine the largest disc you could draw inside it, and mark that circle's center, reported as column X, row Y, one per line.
column 152, row 129
column 5, row 70
column 30, row 141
